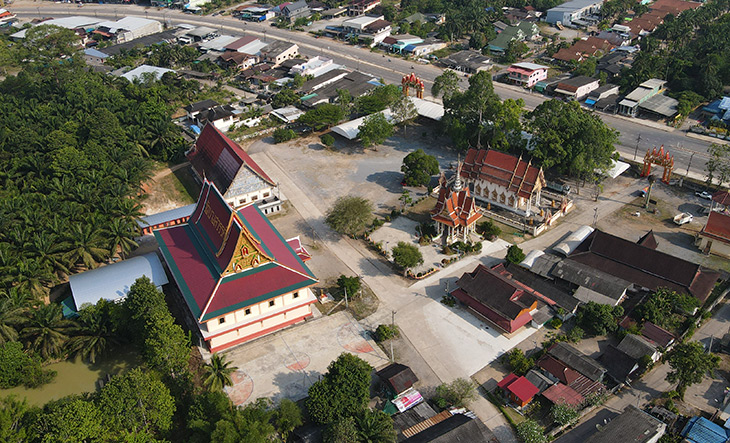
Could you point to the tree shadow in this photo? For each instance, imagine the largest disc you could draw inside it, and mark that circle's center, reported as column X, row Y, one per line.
column 294, row 385
column 389, row 180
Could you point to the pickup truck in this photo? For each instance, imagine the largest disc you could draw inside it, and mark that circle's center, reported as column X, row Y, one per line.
column 558, row 187
column 683, row 218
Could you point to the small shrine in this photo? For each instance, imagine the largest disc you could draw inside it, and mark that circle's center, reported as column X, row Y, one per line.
column 455, row 214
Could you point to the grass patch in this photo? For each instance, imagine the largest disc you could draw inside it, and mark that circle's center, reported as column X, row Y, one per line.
column 360, row 306
column 660, row 212
column 516, row 417
column 510, row 234
column 421, row 211
column 185, row 184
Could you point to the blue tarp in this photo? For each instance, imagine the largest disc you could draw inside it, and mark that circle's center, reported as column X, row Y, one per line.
column 590, row 102
column 195, row 129
column 702, row 430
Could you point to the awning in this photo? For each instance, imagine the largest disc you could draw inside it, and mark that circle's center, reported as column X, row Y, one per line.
column 590, row 102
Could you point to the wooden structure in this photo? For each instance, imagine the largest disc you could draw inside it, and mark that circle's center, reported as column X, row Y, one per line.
column 411, row 81
column 660, row 158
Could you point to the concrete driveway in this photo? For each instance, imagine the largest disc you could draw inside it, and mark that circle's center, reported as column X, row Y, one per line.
column 286, row 364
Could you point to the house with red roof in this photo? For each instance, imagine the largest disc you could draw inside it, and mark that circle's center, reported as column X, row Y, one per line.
column 237, row 275
column 496, row 296
column 518, row 389
column 455, row 213
column 217, row 158
column 714, row 238
column 503, row 180
column 526, row 74
column 559, row 393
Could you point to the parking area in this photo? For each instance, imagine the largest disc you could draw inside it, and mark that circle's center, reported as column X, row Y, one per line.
column 286, row 364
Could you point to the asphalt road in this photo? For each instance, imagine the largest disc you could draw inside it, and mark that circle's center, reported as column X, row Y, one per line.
column 390, row 69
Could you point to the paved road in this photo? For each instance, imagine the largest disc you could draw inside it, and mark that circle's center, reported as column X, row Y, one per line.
column 390, row 69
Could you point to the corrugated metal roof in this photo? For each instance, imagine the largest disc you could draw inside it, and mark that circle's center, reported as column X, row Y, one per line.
column 166, row 216
column 112, row 282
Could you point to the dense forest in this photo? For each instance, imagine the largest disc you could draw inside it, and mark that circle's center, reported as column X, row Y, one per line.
column 75, row 146
column 689, row 51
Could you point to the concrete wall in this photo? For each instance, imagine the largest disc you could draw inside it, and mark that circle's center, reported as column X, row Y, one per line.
column 717, row 247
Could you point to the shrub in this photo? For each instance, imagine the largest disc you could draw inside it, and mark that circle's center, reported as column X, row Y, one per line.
column 530, row 431
column 283, row 135
column 518, row 362
column 515, row 254
column 564, row 414
column 327, row 140
column 20, row 368
column 575, row 334
column 386, row 332
column 448, row 300
column 488, row 229
column 457, row 393
column 556, row 323
column 350, row 284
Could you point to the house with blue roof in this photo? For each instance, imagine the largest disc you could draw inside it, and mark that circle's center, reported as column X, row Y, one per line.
column 702, row 430
column 718, row 110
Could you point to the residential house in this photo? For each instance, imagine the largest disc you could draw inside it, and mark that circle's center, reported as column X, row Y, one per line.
column 583, row 49
column 218, row 159
column 561, row 394
column 94, row 57
column 702, row 430
column 541, row 381
column 603, row 98
column 450, row 427
column 519, row 390
column 578, row 361
column 619, row 365
column 650, row 88
column 373, row 29
column 222, row 117
column 397, row 43
column 612, row 64
column 547, row 86
column 356, row 83
column 469, row 61
column 643, row 266
column 194, row 109
column 455, row 214
column 657, row 335
column 333, row 12
column 718, row 110
column 567, row 12
column 559, row 372
column 313, row 66
column 637, row 346
column 238, row 277
column 278, row 51
column 522, row 31
column 576, row 88
column 714, row 238
column 527, row 74
column 424, row 48
column 295, row 10
column 632, row 426
column 238, row 60
column 360, row 7
column 503, row 180
column 247, row 44
column 493, row 294
column 397, row 377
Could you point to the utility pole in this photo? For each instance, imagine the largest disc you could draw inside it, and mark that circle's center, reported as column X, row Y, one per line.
column 392, row 319
column 595, row 216
column 347, row 304
column 636, row 151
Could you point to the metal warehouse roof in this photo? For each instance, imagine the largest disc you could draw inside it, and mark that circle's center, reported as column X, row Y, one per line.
column 166, row 216
column 112, row 282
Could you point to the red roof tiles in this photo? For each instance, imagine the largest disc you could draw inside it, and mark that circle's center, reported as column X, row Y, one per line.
column 521, row 387
column 657, row 335
column 455, row 208
column 218, row 158
column 584, row 49
column 718, row 226
column 563, row 394
column 506, row 170
column 722, row 197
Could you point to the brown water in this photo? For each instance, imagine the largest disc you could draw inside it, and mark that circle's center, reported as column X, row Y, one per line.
column 76, row 377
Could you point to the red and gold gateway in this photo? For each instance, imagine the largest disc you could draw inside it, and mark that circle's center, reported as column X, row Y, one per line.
column 240, row 279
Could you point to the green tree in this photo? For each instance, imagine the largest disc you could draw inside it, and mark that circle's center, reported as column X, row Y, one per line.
column 282, row 135
column 459, row 393
column 375, row 427
column 96, row 332
column 406, row 256
column 661, row 303
column 344, row 99
column 515, row 50
column 350, row 215
column 597, row 319
column 518, row 362
column 72, row 419
column 351, row 285
column 530, row 431
column 564, row 414
column 587, row 67
column 250, row 424
column 18, row 367
column 404, row 112
column 690, row 363
column 284, row 98
column 341, row 430
column 515, row 254
column 447, row 84
column 120, row 234
column 488, row 229
column 378, row 99
column 137, row 402
column 288, row 417
column 374, row 130
column 86, row 246
column 418, row 167
column 10, row 319
column 328, row 140
column 718, row 165
column 323, row 116
column 570, row 139
column 218, row 373
column 18, row 420
column 575, row 334
column 343, row 391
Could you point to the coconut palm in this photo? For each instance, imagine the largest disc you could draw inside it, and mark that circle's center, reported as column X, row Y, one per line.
column 94, row 335
column 46, row 331
column 46, row 248
column 85, row 245
column 218, row 373
column 11, row 317
column 119, row 234
column 375, row 427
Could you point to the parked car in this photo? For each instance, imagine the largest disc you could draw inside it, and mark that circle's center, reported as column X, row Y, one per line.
column 558, row 187
column 704, row 194
column 683, row 218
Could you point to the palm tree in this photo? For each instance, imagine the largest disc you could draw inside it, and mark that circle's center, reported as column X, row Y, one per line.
column 119, row 233
column 10, row 317
column 218, row 373
column 85, row 245
column 29, row 275
column 46, row 331
column 375, row 427
column 46, row 248
column 93, row 336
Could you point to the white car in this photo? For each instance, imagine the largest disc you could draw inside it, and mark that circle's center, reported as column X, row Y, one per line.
column 704, row 194
column 683, row 218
